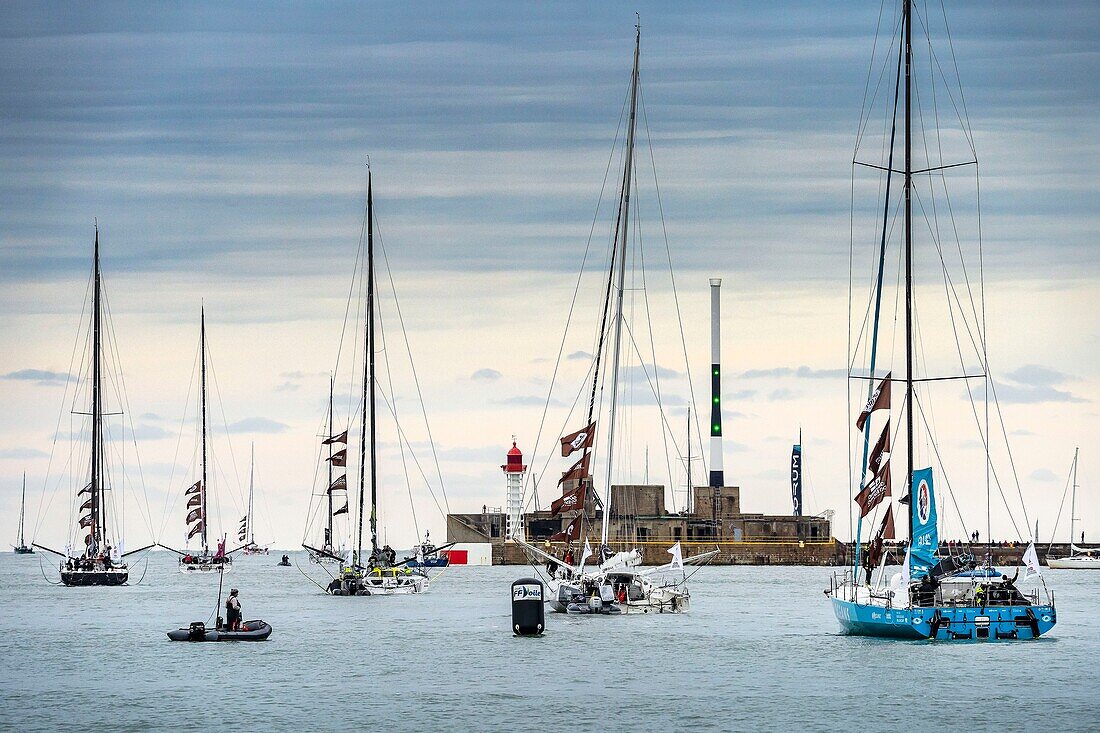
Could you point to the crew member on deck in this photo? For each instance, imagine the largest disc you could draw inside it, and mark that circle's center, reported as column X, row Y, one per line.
column 233, row 611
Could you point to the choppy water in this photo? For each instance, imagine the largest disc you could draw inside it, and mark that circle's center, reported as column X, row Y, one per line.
column 759, row 650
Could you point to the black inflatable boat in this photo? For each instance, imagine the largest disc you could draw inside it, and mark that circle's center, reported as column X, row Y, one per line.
column 250, row 631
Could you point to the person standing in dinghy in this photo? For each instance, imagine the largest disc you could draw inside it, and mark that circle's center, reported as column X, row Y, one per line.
column 233, row 611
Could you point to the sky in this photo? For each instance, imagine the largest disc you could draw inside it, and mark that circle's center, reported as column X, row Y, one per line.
column 222, row 149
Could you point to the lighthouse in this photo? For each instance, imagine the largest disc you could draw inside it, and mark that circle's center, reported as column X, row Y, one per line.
column 514, row 469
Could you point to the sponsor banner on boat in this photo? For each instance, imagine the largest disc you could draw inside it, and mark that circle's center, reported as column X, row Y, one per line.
column 925, row 533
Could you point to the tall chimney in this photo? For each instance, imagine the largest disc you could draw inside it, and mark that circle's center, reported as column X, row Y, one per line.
column 717, row 478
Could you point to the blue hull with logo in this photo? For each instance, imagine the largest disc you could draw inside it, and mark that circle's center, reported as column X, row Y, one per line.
column 945, row 623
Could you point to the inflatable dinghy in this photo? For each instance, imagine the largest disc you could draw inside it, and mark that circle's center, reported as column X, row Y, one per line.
column 250, row 631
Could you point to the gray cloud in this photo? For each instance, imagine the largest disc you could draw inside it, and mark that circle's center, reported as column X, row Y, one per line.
column 784, row 394
column 1043, row 474
column 579, row 355
column 287, row 386
column 1032, row 384
column 41, row 377
column 23, row 453
column 802, row 372
column 257, row 425
column 486, row 375
column 527, row 401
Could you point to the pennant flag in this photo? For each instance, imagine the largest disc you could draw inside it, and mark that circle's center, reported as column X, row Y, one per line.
column 339, row 458
column 341, row 510
column 1031, row 562
column 221, row 548
column 341, row 438
column 86, row 490
column 881, row 449
column 585, row 553
column 885, row 532
column 195, row 530
column 242, row 535
column 874, row 492
column 880, row 400
column 244, row 521
column 577, row 471
column 86, row 521
column 194, row 489
column 677, row 556
column 193, row 515
column 579, row 440
column 570, row 500
column 86, row 505
column 570, row 533
column 341, row 482
column 194, row 501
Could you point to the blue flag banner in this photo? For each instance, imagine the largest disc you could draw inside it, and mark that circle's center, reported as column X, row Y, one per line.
column 926, row 538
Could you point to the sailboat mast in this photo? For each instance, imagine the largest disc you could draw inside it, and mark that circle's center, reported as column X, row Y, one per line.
column 202, row 403
column 22, row 510
column 370, row 361
column 1072, row 498
column 328, row 538
column 623, row 227
column 908, row 20
column 251, row 482
column 98, row 512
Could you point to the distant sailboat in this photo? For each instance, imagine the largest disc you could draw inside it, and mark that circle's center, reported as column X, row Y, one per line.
column 379, row 572
column 101, row 560
column 1080, row 558
column 197, row 515
column 22, row 548
column 246, row 533
column 934, row 596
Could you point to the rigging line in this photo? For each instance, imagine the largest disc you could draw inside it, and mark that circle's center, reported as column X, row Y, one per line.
column 656, row 394
column 69, row 379
column 1061, row 504
column 528, row 483
column 351, row 292
column 124, row 397
column 403, row 436
column 170, row 492
column 958, row 77
column 412, row 365
column 947, row 481
column 865, row 110
column 964, row 124
column 225, row 423
column 671, row 272
column 389, row 383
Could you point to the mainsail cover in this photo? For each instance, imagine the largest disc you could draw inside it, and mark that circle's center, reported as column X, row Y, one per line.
column 796, row 479
column 925, row 534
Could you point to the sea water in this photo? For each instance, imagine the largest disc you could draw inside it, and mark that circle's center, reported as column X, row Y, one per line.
column 760, row 650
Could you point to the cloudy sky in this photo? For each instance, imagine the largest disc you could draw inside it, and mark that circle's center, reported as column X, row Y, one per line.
column 222, row 150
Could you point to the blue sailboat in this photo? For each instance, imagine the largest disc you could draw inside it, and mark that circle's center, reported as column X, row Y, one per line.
column 953, row 596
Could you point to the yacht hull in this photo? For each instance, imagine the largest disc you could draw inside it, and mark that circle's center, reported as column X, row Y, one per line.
column 79, row 578
column 1080, row 562
column 944, row 623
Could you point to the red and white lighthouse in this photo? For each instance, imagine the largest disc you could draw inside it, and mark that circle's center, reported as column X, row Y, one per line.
column 514, row 470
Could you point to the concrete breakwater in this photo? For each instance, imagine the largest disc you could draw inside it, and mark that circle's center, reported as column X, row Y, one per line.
column 786, row 552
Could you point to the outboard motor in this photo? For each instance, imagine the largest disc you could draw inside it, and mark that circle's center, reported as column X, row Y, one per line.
column 528, row 612
column 197, row 631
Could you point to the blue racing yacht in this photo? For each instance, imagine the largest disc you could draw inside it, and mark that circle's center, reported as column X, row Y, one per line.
column 957, row 594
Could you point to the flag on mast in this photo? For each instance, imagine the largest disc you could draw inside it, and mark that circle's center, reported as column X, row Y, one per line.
column 677, row 556
column 585, row 554
column 1031, row 562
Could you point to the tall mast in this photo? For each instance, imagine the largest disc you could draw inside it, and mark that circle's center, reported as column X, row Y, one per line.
column 98, row 510
column 1072, row 498
column 328, row 538
column 623, row 226
column 251, row 481
column 202, row 402
column 23, row 508
column 908, row 20
column 370, row 360
column 687, row 501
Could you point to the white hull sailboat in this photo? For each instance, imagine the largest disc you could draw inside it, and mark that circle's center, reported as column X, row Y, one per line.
column 1080, row 558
